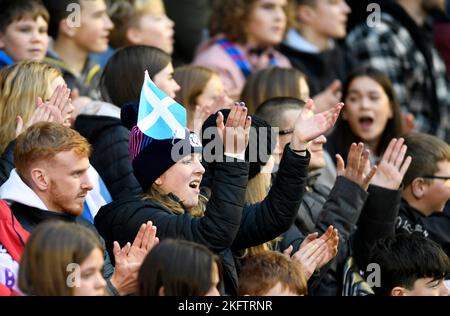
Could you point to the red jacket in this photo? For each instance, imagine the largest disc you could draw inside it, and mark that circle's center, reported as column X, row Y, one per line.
column 13, row 237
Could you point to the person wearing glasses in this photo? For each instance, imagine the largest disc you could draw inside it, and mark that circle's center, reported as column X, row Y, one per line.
column 361, row 212
column 426, row 184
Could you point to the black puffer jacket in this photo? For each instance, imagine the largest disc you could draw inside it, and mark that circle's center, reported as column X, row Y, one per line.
column 110, row 156
column 228, row 226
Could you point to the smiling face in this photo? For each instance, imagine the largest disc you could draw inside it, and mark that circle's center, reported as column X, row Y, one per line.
column 367, row 110
column 25, row 39
column 183, row 179
column 267, row 23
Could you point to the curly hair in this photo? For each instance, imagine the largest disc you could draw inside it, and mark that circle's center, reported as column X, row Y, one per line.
column 229, row 17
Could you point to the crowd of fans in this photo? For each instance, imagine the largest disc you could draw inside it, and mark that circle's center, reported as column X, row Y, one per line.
column 332, row 121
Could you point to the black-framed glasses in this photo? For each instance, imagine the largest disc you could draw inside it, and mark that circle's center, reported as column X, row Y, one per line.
column 446, row 179
column 286, row 131
column 436, row 177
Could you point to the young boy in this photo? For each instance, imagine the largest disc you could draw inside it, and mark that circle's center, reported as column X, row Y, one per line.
column 23, row 31
column 78, row 27
column 141, row 23
column 311, row 48
column 410, row 265
column 426, row 183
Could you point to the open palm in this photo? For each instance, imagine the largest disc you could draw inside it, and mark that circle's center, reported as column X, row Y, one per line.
column 309, row 126
column 393, row 166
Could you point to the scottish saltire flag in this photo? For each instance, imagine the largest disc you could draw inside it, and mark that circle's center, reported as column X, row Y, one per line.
column 160, row 117
column 97, row 197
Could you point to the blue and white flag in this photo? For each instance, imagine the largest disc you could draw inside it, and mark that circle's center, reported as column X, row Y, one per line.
column 160, row 117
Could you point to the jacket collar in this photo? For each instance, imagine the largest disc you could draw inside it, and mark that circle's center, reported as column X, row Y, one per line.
column 15, row 190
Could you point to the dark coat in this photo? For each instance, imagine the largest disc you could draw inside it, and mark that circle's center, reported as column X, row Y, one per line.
column 320, row 208
column 321, row 69
column 29, row 217
column 110, row 156
column 410, row 220
column 438, row 225
column 228, row 226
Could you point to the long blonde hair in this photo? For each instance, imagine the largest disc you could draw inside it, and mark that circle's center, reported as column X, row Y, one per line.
column 176, row 207
column 20, row 85
column 257, row 189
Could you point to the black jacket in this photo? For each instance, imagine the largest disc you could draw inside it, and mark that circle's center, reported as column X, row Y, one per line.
column 30, row 217
column 410, row 220
column 7, row 162
column 377, row 221
column 110, row 156
column 320, row 208
column 438, row 225
column 228, row 226
column 321, row 69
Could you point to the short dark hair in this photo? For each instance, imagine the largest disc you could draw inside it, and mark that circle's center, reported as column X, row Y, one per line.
column 182, row 267
column 58, row 11
column 14, row 10
column 426, row 152
column 122, row 78
column 404, row 258
column 272, row 110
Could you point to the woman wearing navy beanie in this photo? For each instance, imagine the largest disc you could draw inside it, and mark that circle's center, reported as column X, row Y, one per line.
column 170, row 173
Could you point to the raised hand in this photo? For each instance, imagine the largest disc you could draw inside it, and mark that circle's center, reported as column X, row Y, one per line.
column 61, row 100
column 357, row 161
column 330, row 96
column 309, row 126
column 315, row 252
column 130, row 257
column 235, row 133
column 42, row 113
column 393, row 165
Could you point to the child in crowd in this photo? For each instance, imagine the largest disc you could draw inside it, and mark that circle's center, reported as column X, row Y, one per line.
column 62, row 259
column 73, row 43
column 141, row 22
column 272, row 274
column 201, row 92
column 426, row 187
column 410, row 265
column 23, row 31
column 180, row 268
column 312, row 48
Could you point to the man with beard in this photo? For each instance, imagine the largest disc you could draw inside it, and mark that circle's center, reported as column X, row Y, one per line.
column 397, row 41
column 51, row 181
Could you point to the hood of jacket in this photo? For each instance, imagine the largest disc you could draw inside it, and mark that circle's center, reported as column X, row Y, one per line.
column 15, row 190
